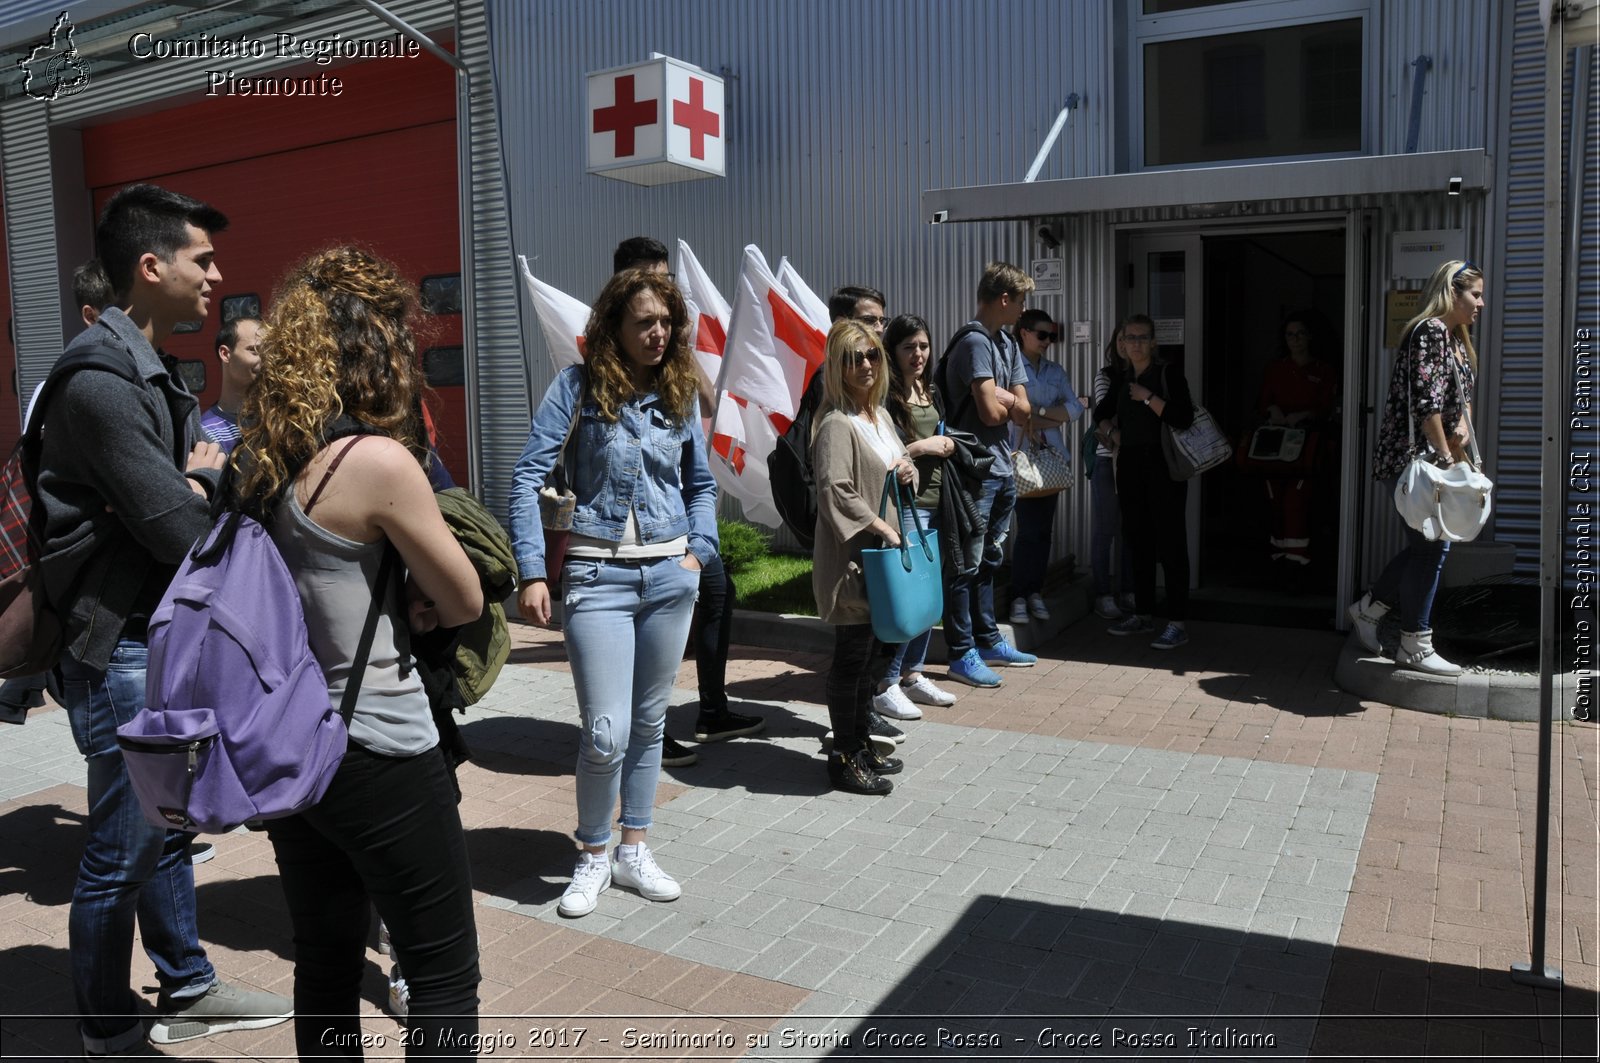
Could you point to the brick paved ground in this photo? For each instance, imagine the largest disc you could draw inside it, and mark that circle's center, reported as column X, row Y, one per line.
column 1118, row 843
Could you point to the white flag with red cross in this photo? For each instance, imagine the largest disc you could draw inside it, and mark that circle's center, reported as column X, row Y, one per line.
column 562, row 319
column 772, row 348
column 709, row 312
column 800, row 293
column 741, row 435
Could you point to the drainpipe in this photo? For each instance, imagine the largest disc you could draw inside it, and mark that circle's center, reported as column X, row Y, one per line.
column 469, row 339
column 1422, row 65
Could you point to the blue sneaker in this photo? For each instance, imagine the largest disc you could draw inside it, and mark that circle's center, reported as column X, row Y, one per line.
column 1006, row 655
column 1171, row 638
column 970, row 669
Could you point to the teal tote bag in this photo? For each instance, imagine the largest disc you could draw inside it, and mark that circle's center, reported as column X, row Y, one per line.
column 904, row 592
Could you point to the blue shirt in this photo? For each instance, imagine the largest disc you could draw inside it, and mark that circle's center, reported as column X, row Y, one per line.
column 1048, row 386
column 982, row 356
column 644, row 461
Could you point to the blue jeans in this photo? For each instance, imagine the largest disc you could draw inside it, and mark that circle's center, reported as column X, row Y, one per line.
column 909, row 657
column 969, row 601
column 130, row 868
column 1030, row 557
column 1105, row 531
column 626, row 625
column 1411, row 579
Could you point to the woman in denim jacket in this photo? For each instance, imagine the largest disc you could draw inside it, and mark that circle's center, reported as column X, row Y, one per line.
column 644, row 525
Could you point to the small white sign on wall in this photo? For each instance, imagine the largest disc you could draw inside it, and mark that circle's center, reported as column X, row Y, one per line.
column 1169, row 331
column 1415, row 255
column 1047, row 274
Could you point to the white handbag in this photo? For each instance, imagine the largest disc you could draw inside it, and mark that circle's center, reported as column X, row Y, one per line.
column 1452, row 504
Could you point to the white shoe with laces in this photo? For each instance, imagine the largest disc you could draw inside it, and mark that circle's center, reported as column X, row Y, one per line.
column 894, row 704
column 1106, row 608
column 1019, row 611
column 922, row 691
column 1037, row 608
column 638, row 871
column 589, row 880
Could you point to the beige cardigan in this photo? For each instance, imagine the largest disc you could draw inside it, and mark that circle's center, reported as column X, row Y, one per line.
column 849, row 477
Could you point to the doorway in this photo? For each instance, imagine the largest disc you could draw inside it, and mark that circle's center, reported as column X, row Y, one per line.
column 1264, row 534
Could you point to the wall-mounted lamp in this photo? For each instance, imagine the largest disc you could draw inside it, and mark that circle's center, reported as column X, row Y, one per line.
column 1453, row 187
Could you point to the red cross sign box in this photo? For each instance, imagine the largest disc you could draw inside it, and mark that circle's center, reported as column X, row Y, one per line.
column 656, row 122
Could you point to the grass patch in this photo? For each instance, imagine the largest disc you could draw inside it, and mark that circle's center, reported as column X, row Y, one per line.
column 776, row 583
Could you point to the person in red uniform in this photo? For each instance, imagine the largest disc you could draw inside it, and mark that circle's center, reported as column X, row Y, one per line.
column 1297, row 391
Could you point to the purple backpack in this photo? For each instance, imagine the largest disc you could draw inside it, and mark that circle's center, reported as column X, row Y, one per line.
column 237, row 725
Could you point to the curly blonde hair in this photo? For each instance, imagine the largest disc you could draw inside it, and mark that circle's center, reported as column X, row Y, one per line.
column 610, row 377
column 338, row 342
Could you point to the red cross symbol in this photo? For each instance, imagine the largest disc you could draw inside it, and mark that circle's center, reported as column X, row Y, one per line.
column 694, row 117
column 624, row 115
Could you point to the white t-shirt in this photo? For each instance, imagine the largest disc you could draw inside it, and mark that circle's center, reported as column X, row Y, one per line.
column 881, row 437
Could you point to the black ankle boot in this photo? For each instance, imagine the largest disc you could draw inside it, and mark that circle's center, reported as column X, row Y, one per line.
column 852, row 773
column 882, row 765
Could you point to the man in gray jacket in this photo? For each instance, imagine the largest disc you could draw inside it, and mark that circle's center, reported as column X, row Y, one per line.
column 124, row 478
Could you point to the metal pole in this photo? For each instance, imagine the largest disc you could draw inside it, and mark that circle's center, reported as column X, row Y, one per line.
column 469, row 339
column 1553, row 490
column 1067, row 108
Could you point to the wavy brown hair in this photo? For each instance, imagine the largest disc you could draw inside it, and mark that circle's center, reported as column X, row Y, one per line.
column 338, row 343
column 610, row 377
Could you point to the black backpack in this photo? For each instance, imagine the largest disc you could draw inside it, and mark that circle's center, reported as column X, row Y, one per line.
column 957, row 405
column 794, row 485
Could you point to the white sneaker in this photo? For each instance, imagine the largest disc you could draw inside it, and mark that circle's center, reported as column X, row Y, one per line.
column 641, row 873
column 1019, row 610
column 1366, row 614
column 894, row 704
column 1106, row 608
column 1037, row 607
column 1416, row 652
column 589, row 880
column 922, row 691
column 399, row 993
column 1127, row 603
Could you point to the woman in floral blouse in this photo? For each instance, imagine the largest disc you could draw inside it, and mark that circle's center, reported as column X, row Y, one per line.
column 1437, row 366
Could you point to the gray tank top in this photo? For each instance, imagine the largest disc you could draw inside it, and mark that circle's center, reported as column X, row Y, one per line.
column 334, row 576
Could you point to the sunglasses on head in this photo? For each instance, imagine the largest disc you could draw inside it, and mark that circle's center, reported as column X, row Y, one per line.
column 853, row 359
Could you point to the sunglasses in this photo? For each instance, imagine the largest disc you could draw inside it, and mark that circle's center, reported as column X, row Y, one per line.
column 856, row 359
column 873, row 320
column 1048, row 335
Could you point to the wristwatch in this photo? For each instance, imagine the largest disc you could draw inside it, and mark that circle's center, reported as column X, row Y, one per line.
column 1147, row 399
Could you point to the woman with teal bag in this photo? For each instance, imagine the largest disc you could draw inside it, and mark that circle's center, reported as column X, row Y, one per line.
column 854, row 446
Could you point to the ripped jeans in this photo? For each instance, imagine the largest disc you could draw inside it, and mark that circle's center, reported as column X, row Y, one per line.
column 626, row 625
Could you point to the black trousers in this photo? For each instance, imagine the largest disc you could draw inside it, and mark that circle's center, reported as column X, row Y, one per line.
column 1155, row 522
column 714, row 628
column 858, row 659
column 386, row 834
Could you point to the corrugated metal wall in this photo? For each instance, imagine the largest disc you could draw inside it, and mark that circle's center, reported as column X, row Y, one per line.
column 1458, row 95
column 839, row 115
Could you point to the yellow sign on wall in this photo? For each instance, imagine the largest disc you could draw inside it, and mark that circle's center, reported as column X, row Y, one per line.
column 1398, row 307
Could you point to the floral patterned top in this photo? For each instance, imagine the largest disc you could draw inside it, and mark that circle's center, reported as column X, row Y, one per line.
column 1425, row 359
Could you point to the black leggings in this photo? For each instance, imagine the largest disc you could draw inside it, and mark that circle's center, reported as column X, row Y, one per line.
column 387, row 833
column 852, row 681
column 1155, row 521
column 712, row 635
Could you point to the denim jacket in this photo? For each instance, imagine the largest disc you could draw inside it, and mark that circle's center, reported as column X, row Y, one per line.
column 644, row 462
